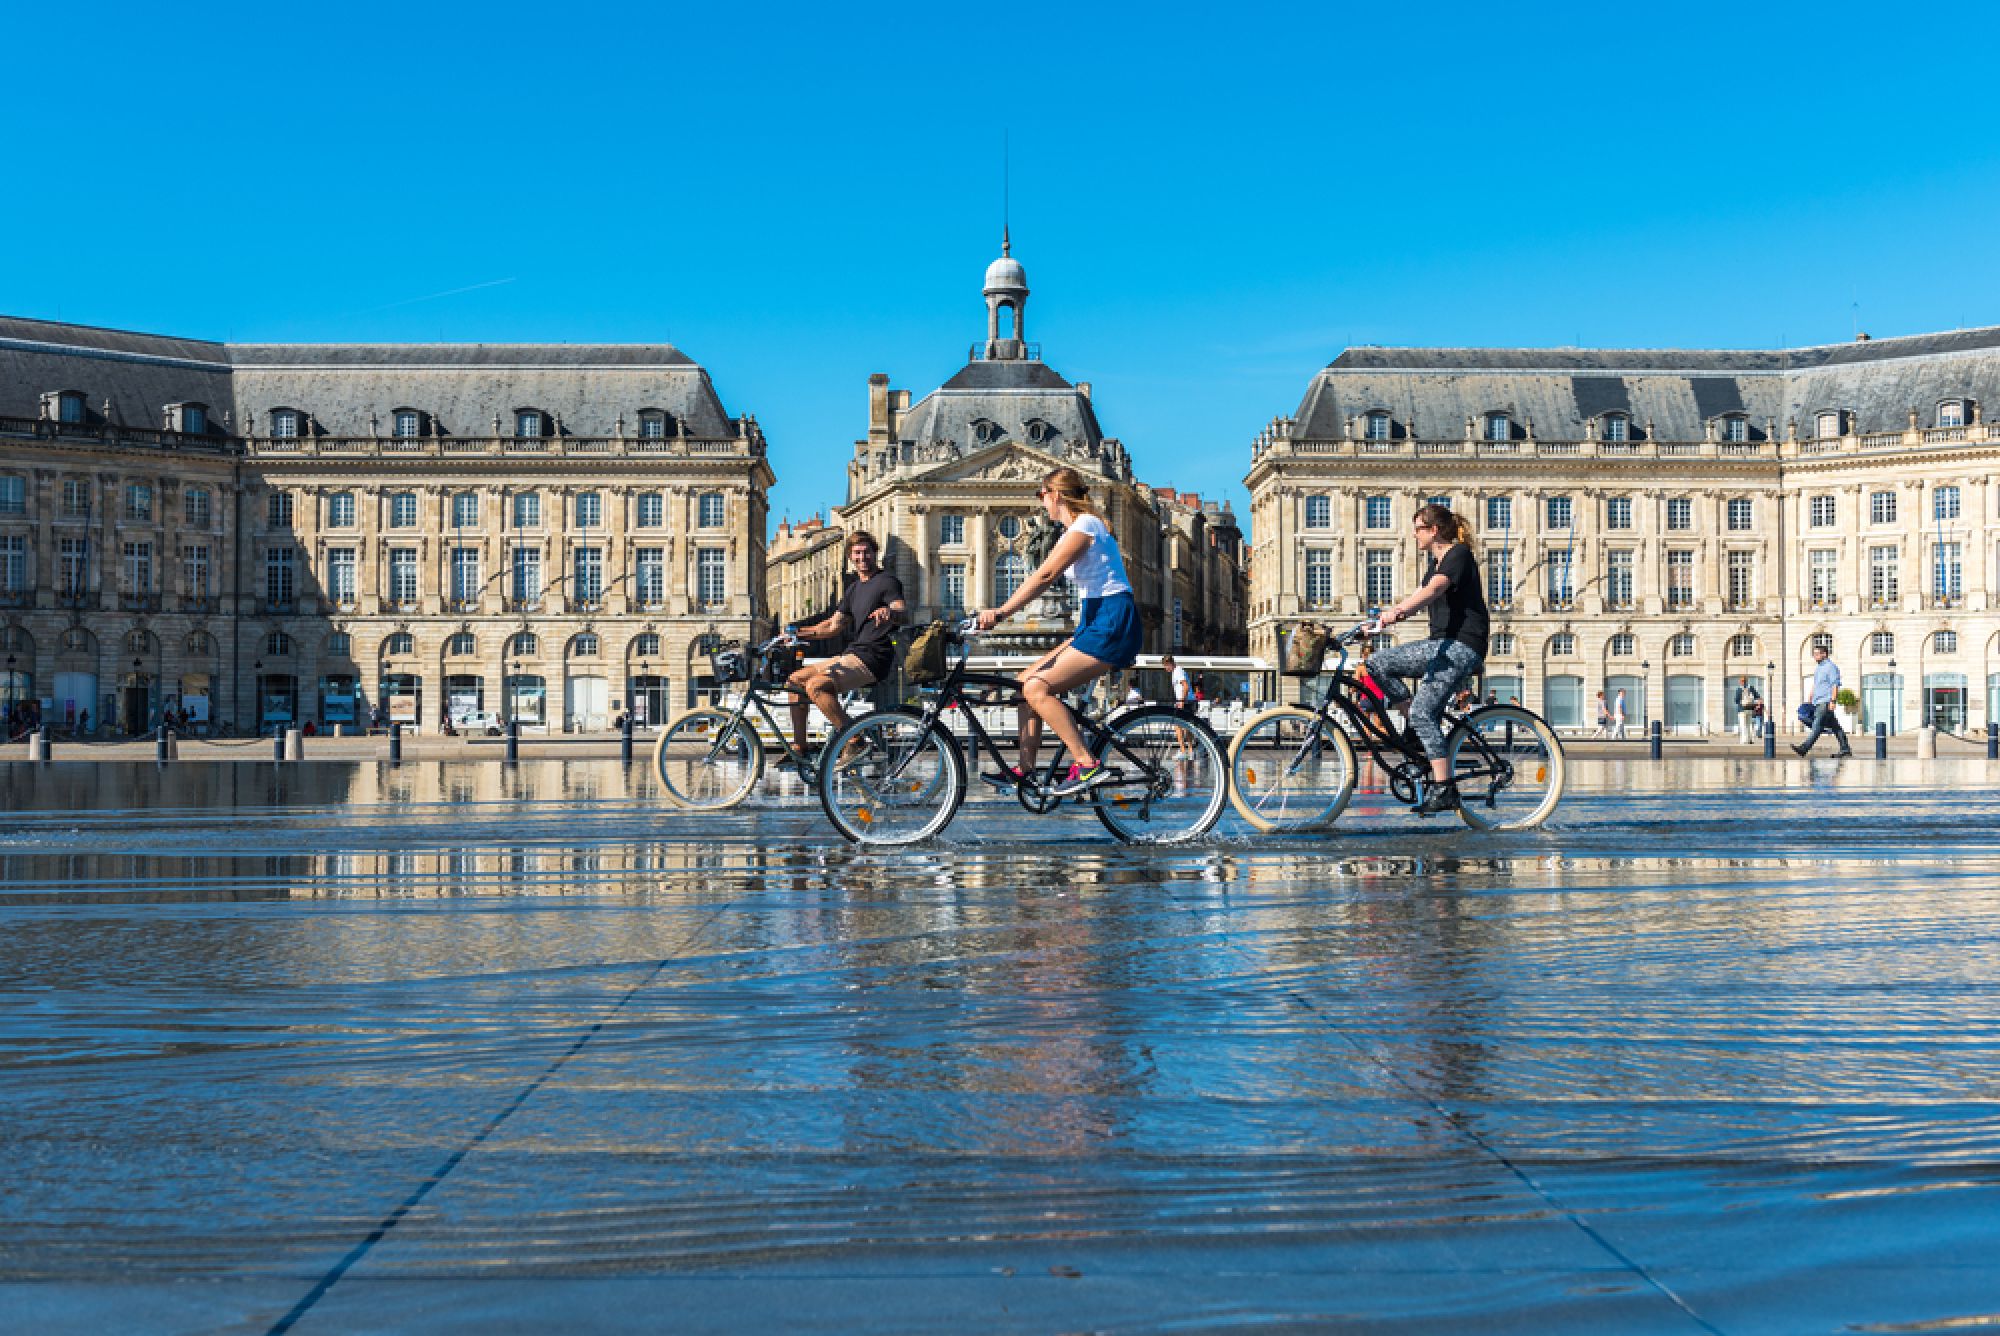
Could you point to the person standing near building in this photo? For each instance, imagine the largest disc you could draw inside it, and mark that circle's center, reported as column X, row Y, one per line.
column 1603, row 718
column 1825, row 686
column 1618, row 716
column 1747, row 701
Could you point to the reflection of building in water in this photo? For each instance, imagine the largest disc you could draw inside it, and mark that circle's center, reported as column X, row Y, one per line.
column 260, row 532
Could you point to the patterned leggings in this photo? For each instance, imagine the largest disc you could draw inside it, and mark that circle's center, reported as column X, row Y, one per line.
column 1441, row 665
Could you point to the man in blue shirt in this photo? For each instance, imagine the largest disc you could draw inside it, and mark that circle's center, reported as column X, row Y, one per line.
column 1825, row 684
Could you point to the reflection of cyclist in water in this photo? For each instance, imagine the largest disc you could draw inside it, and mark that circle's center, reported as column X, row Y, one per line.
column 1454, row 651
column 1108, row 634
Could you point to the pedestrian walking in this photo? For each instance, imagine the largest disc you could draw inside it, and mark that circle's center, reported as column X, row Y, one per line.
column 1747, row 706
column 1618, row 716
column 1825, row 686
column 1603, row 717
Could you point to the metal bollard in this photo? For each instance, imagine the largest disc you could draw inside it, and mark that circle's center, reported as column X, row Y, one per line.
column 1656, row 739
column 513, row 739
column 1993, row 742
column 625, row 743
column 160, row 746
column 1770, row 739
column 38, row 745
column 1881, row 740
column 277, row 744
column 395, row 742
column 295, row 744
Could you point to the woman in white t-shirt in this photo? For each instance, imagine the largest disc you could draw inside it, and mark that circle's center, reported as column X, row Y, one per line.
column 1108, row 635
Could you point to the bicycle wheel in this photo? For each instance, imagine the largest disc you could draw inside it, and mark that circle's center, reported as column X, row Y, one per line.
column 1289, row 770
column 708, row 758
column 1172, row 778
column 889, row 778
column 1509, row 767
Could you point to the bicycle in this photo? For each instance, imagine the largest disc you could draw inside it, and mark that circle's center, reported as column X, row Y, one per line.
column 899, row 776
column 710, row 758
column 1293, row 769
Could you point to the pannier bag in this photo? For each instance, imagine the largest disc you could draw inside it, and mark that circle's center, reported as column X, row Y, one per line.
column 1305, row 651
column 730, row 663
column 924, row 660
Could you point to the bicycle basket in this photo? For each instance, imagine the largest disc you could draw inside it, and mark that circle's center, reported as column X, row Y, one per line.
column 1305, row 650
column 780, row 663
column 924, row 661
column 729, row 663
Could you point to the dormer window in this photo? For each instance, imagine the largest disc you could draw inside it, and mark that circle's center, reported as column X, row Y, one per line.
column 70, row 408
column 1499, row 427
column 985, row 432
column 188, row 419
column 527, row 424
column 284, row 424
column 1378, row 426
column 409, row 423
column 1617, row 427
column 1827, row 425
column 1951, row 413
column 1736, row 429
column 652, row 425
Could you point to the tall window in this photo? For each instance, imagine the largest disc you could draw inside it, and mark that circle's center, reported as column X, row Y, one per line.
column 280, row 583
column 951, row 530
column 1008, row 572
column 1498, row 428
column 1739, row 515
column 75, row 498
column 652, row 510
column 1881, row 507
column 465, row 582
column 1827, row 424
column 340, row 511
column 1559, row 512
column 1319, row 577
column 194, row 420
column 71, row 566
column 138, row 501
column 951, row 587
column 1380, row 575
column 1735, row 429
column 652, row 575
column 403, row 575
column 1178, row 623
column 284, row 424
column 527, row 424
column 1561, row 588
column 652, row 426
column 340, row 574
column 1882, row 644
column 13, row 496
column 465, row 510
column 527, row 510
column 1742, row 574
column 1377, row 510
column 589, row 510
column 1882, row 584
column 1680, row 513
column 1618, row 579
column 409, row 424
column 1378, row 426
column 1680, row 579
column 1616, row 428
column 1618, row 512
column 195, row 505
column 589, row 574
column 1944, row 503
column 1499, row 576
column 70, row 409
column 711, row 510
column 1499, row 512
column 1823, row 577
column 278, row 513
column 403, row 510
column 13, row 564
column 1946, row 572
column 1951, row 413
column 1319, row 512
column 1819, row 512
column 527, row 574
column 712, row 576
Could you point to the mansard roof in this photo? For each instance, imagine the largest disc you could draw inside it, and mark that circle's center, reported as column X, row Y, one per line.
column 1008, row 394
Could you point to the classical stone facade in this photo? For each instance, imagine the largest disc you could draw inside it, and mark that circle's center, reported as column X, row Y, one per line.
column 948, row 485
column 1662, row 522
column 806, row 565
column 266, row 533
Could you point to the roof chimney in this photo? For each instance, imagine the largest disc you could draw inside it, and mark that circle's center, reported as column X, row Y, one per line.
column 878, row 408
column 1083, row 388
column 1861, row 338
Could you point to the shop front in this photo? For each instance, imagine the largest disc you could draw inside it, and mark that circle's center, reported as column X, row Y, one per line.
column 465, row 701
column 75, row 700
column 339, row 701
column 1562, row 701
column 1634, row 688
column 585, row 705
column 402, row 698
column 1684, row 696
column 649, row 701
column 198, row 700
column 527, row 701
column 1944, row 701
column 135, row 701
column 278, row 701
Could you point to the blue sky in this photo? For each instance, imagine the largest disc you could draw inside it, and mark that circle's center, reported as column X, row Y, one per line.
column 1210, row 202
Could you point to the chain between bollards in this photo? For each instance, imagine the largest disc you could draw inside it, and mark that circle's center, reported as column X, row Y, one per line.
column 1881, row 740
column 1655, row 740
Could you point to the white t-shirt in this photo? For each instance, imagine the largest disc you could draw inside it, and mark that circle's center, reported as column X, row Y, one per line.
column 1135, row 697
column 1100, row 571
column 1183, row 693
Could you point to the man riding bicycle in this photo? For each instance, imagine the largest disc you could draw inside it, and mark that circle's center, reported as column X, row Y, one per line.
column 874, row 603
column 1454, row 651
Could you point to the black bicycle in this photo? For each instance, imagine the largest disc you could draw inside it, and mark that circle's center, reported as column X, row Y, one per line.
column 1293, row 769
column 713, row 758
column 900, row 775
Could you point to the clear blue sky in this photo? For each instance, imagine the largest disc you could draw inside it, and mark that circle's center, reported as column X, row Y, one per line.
column 1210, row 201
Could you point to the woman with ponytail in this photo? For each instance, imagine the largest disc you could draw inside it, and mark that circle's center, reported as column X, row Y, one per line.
column 1107, row 638
column 1456, row 647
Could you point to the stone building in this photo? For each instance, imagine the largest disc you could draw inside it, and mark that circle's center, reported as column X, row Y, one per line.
column 805, row 571
column 1662, row 522
column 284, row 533
column 948, row 485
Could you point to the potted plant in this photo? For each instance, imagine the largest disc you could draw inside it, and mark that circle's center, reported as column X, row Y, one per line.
column 1845, row 703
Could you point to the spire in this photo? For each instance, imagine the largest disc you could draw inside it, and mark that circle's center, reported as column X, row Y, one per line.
column 1006, row 246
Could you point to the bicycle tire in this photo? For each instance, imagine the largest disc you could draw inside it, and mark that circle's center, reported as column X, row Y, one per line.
column 708, row 760
column 1280, row 788
column 1532, row 757
column 1186, row 793
column 906, row 784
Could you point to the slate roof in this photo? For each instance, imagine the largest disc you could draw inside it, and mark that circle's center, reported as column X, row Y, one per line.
column 138, row 373
column 1009, row 394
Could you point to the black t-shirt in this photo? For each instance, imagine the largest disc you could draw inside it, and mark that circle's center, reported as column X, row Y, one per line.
column 1461, row 613
column 873, row 643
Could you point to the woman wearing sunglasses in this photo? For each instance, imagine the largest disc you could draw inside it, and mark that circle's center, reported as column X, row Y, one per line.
column 1107, row 638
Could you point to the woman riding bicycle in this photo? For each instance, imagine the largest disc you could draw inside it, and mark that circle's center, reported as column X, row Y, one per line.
column 1455, row 650
column 1108, row 635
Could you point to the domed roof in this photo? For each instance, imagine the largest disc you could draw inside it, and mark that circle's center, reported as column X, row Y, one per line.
column 1006, row 274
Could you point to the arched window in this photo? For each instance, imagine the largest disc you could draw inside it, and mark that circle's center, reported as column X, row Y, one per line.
column 712, row 509
column 522, row 645
column 76, row 641
column 589, row 510
column 340, row 510
column 138, row 642
column 284, row 424
column 199, row 643
column 1681, row 646
column 1740, row 512
column 1821, row 640
column 1010, row 526
column 652, row 425
column 1624, row 645
column 1944, row 503
column 646, row 645
column 527, row 510
column 1945, row 642
column 1319, row 512
column 462, row 645
column 402, row 642
column 339, row 645
column 1882, row 644
column 277, row 643
column 1562, row 645
column 69, row 408
column 1881, row 507
column 1008, row 573
column 584, row 646
column 1743, row 647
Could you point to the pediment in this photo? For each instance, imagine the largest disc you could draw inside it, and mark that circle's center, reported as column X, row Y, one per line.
column 1007, row 461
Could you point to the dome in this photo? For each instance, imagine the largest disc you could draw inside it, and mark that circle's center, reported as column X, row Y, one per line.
column 1006, row 274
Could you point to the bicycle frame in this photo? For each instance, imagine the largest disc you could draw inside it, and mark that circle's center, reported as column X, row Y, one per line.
column 1343, row 688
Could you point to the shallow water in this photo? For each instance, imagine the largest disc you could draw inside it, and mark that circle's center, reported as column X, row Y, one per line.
column 352, row 1047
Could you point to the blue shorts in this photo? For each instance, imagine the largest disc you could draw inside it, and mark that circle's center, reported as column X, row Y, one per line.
column 1110, row 630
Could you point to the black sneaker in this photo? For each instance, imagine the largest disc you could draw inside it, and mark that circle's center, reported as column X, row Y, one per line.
column 1441, row 797
column 1009, row 778
column 1797, row 750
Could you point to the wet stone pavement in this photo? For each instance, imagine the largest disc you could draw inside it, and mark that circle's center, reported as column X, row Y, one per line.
column 467, row 1048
